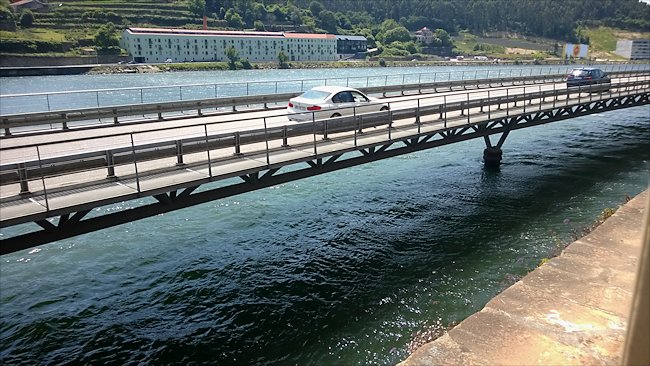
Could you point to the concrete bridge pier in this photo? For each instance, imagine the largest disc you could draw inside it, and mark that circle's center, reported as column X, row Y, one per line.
column 492, row 156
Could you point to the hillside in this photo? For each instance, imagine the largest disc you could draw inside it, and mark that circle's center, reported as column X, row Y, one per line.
column 497, row 28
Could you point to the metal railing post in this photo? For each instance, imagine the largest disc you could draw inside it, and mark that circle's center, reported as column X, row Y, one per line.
column 207, row 150
column 468, row 109
column 40, row 166
column 444, row 100
column 237, row 143
column 135, row 164
column 179, row 153
column 110, row 164
column 22, row 175
column 266, row 139
column 285, row 137
column 313, row 121
column 580, row 95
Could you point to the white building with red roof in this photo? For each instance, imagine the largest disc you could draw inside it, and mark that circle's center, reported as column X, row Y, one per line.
column 424, row 35
column 182, row 45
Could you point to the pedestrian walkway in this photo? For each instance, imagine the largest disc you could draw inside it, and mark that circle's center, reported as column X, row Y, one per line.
column 573, row 310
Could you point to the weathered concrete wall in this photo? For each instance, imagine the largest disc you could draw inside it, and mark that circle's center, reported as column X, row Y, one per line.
column 32, row 61
column 573, row 310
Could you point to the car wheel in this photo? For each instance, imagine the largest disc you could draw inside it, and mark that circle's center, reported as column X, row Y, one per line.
column 383, row 108
column 335, row 115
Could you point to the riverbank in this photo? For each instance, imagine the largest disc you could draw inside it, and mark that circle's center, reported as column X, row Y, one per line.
column 100, row 69
column 573, row 309
column 211, row 66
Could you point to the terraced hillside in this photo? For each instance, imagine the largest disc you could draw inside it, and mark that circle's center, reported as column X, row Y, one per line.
column 70, row 14
column 69, row 26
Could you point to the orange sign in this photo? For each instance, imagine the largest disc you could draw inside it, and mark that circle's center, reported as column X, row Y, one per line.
column 576, row 50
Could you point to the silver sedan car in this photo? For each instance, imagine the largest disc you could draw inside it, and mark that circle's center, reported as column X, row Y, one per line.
column 331, row 101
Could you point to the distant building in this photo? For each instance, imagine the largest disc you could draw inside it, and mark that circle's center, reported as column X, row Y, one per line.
column 34, row 5
column 351, row 46
column 425, row 35
column 637, row 49
column 182, row 45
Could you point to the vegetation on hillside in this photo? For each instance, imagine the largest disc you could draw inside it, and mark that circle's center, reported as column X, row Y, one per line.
column 387, row 24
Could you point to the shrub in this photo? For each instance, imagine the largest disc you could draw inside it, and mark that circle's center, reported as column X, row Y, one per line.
column 105, row 36
column 31, row 46
column 7, row 20
column 26, row 18
column 382, row 62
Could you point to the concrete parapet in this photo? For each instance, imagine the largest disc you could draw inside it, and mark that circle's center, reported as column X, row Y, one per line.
column 573, row 310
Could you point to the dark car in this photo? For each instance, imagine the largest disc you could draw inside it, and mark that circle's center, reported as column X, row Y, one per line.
column 587, row 76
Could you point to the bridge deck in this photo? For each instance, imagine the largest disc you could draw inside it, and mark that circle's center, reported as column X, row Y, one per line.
column 70, row 176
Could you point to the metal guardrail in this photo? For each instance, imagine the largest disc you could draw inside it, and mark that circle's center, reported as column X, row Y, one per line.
column 63, row 118
column 41, row 169
column 98, row 98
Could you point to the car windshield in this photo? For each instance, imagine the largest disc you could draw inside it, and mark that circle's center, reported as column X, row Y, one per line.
column 314, row 94
column 579, row 72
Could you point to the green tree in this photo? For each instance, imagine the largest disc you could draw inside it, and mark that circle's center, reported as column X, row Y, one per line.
column 259, row 11
column 27, row 18
column 282, row 60
column 387, row 25
column 196, row 7
column 443, row 36
column 7, row 20
column 315, row 7
column 343, row 21
column 295, row 16
column 327, row 21
column 233, row 57
column 399, row 34
column 234, row 19
column 106, row 37
column 258, row 25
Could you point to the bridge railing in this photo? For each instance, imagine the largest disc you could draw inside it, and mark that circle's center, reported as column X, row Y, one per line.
column 136, row 159
column 155, row 111
column 99, row 98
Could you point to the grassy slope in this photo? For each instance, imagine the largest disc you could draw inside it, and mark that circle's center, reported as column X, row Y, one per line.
column 39, row 34
column 602, row 40
column 602, row 43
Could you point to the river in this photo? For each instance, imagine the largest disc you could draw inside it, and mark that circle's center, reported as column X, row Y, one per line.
column 340, row 269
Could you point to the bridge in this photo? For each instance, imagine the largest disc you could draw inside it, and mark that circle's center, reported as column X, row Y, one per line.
column 57, row 178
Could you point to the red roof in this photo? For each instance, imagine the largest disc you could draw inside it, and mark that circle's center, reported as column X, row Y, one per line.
column 197, row 32
column 309, row 35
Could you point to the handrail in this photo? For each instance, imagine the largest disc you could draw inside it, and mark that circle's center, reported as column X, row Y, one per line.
column 296, row 85
column 7, row 122
column 36, row 169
